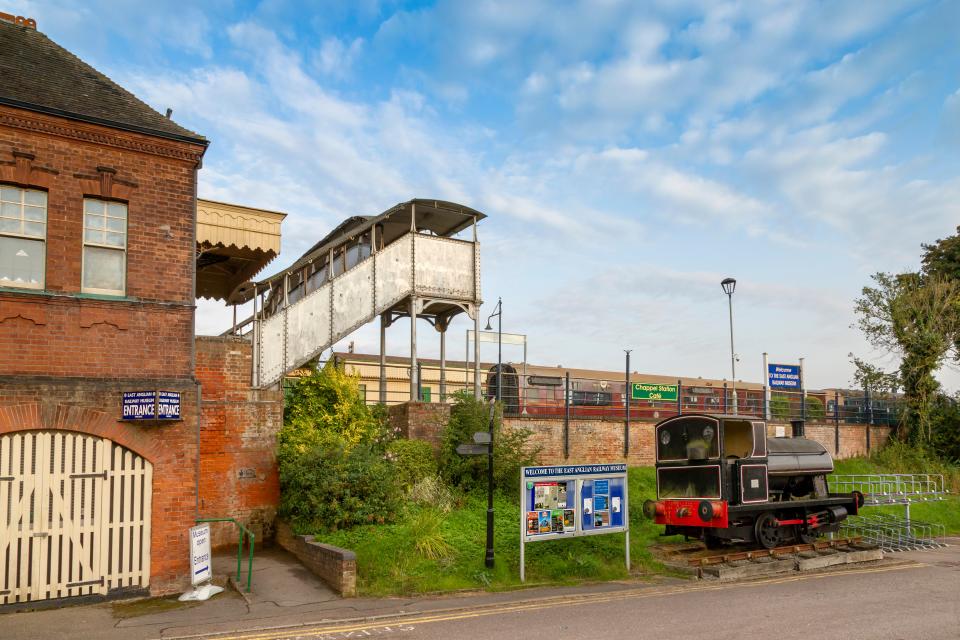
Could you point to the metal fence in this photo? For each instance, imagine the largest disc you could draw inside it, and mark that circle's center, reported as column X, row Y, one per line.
column 561, row 395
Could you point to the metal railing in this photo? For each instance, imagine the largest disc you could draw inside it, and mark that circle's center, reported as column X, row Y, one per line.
column 558, row 395
column 243, row 531
column 891, row 488
column 893, row 533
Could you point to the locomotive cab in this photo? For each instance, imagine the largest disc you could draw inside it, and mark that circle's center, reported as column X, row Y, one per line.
column 720, row 478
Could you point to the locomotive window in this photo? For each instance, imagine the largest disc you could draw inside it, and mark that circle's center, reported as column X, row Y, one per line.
column 675, row 438
column 688, row 482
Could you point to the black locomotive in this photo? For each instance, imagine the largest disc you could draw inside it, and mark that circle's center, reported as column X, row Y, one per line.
column 720, row 478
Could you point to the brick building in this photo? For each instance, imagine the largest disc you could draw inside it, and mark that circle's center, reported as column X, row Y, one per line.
column 99, row 260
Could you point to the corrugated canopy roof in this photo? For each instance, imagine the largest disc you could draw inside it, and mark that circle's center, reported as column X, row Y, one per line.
column 443, row 218
column 234, row 244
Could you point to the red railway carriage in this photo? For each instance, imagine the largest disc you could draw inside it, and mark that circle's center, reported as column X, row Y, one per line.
column 720, row 478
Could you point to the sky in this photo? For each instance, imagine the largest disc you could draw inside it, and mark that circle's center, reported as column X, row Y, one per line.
column 629, row 155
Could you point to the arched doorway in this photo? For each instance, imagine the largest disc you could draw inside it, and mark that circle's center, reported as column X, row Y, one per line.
column 74, row 516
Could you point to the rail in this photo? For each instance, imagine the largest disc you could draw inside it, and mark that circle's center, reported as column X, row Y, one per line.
column 250, row 536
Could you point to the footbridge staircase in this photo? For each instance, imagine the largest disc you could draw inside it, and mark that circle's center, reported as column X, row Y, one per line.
column 405, row 262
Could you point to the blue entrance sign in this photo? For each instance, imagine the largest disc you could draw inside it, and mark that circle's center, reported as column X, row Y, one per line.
column 139, row 405
column 168, row 405
column 151, row 405
column 566, row 501
column 783, row 376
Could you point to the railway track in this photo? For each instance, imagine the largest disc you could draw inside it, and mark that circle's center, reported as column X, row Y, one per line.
column 755, row 554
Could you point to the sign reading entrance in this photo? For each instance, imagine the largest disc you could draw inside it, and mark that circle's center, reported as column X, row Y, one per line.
column 646, row 391
column 566, row 501
column 151, row 405
column 200, row 554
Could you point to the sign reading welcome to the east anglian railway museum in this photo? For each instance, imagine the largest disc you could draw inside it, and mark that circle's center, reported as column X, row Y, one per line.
column 647, row 391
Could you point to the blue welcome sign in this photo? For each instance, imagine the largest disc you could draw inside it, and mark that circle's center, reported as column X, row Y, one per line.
column 783, row 376
column 151, row 405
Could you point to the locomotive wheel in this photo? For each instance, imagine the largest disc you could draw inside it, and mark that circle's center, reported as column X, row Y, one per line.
column 806, row 537
column 766, row 530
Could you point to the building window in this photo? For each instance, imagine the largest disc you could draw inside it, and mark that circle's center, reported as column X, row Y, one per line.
column 104, row 247
column 23, row 234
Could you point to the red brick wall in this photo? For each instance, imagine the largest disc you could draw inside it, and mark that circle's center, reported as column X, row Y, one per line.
column 59, row 332
column 94, row 406
column 238, row 438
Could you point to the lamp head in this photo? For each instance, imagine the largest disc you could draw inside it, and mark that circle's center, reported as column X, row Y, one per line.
column 728, row 284
column 488, row 327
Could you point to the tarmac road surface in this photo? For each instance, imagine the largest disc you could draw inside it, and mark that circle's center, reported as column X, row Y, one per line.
column 915, row 598
column 909, row 596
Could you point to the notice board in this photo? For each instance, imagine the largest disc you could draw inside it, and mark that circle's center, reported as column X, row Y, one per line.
column 567, row 501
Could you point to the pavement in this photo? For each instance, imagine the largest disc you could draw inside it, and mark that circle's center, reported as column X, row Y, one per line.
column 909, row 595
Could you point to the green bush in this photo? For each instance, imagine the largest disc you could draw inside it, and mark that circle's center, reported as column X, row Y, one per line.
column 329, row 488
column 326, row 408
column 512, row 448
column 412, row 460
column 780, row 407
column 815, row 410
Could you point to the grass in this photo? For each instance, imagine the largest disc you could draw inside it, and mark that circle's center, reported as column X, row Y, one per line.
column 451, row 548
column 433, row 551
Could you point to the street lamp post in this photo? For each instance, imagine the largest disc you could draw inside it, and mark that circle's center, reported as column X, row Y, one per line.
column 729, row 284
column 498, row 312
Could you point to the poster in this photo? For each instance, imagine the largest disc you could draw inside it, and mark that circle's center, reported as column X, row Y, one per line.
column 533, row 523
column 600, row 503
column 615, row 504
column 587, row 506
column 544, row 519
column 569, row 520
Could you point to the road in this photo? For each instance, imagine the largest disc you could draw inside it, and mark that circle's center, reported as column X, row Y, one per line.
column 918, row 598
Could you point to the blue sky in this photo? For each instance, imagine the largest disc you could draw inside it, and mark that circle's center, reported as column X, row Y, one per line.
column 629, row 155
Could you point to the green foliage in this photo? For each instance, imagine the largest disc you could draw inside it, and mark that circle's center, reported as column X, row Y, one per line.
column 916, row 316
column 412, row 461
column 945, row 424
column 815, row 410
column 868, row 376
column 433, row 492
column 512, row 447
column 327, row 409
column 426, row 528
column 780, row 407
column 329, row 487
column 943, row 257
column 333, row 472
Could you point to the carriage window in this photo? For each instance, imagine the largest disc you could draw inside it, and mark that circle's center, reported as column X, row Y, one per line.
column 677, row 437
column 688, row 482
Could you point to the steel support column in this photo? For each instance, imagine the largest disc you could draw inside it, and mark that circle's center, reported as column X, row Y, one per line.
column 383, row 358
column 414, row 382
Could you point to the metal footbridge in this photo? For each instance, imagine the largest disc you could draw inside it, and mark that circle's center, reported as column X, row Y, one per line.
column 405, row 262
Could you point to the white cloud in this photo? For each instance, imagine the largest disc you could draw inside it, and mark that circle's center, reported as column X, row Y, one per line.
column 336, row 57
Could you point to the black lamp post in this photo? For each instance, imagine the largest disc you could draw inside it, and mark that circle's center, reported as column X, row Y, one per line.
column 729, row 284
column 498, row 312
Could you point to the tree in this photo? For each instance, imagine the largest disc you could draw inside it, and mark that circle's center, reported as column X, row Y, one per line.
column 942, row 258
column 916, row 316
column 867, row 376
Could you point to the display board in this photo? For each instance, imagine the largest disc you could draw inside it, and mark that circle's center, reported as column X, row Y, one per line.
column 566, row 501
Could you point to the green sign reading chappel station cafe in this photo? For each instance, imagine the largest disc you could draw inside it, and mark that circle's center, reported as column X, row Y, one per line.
column 645, row 391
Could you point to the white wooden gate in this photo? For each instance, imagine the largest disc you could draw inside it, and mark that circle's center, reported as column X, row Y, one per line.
column 74, row 516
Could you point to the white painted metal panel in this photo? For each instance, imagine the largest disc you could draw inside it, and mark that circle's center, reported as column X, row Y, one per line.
column 66, row 502
column 272, row 349
column 308, row 326
column 353, row 299
column 394, row 273
column 444, row 267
